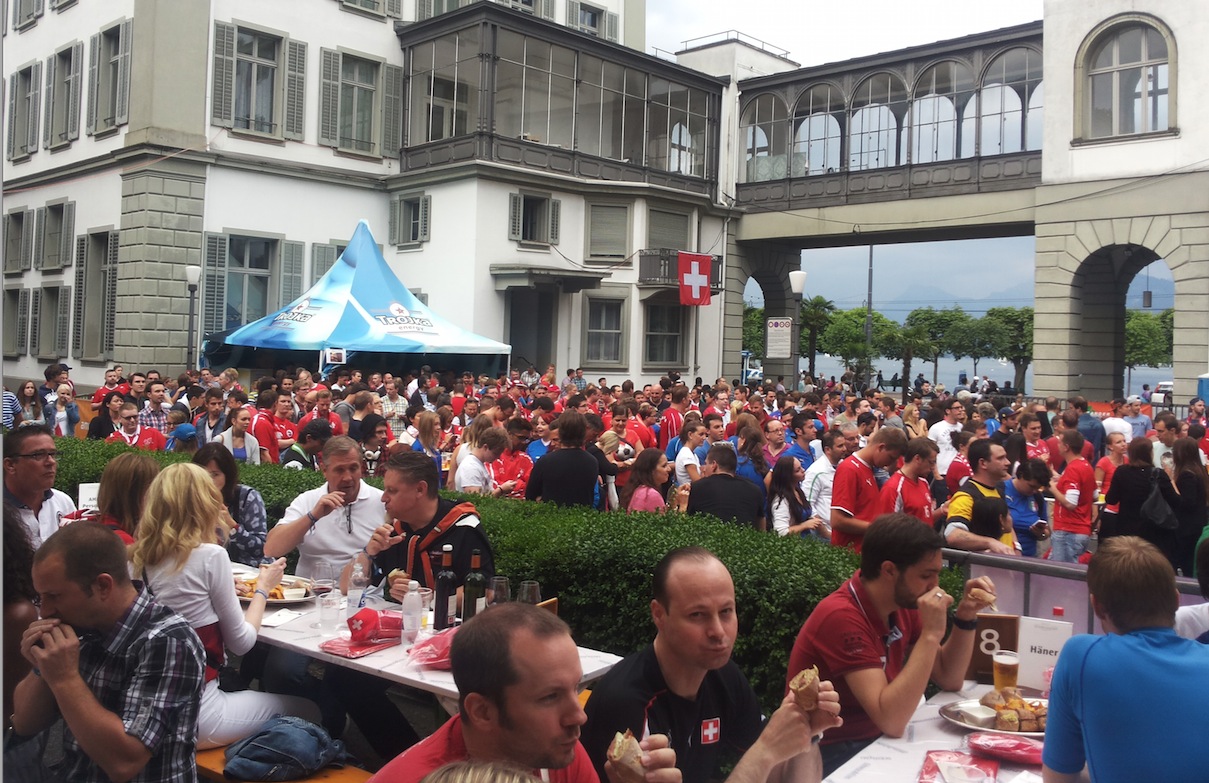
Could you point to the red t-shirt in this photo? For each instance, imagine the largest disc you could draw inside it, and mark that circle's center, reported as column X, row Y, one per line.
column 98, row 396
column 854, row 491
column 447, row 745
column 512, row 466
column 845, row 634
column 333, row 419
column 1055, row 455
column 1106, row 465
column 1079, row 477
column 265, row 433
column 143, row 438
column 959, row 471
column 670, row 426
column 908, row 496
column 1037, row 450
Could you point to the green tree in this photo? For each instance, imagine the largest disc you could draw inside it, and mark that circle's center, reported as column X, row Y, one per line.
column 845, row 337
column 1145, row 340
column 959, row 337
column 1015, row 327
column 983, row 340
column 1167, row 318
column 817, row 312
column 908, row 343
column 937, row 324
column 753, row 330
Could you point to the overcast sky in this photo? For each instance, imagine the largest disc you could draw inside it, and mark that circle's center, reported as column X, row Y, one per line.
column 813, row 33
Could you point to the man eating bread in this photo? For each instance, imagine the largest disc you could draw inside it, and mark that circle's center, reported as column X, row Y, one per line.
column 685, row 685
column 879, row 636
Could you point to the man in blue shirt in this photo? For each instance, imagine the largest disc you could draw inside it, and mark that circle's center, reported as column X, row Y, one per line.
column 1132, row 591
column 805, row 429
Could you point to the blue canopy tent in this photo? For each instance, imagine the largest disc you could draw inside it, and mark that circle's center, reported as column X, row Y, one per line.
column 363, row 308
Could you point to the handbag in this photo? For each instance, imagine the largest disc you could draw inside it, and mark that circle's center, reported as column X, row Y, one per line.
column 1155, row 510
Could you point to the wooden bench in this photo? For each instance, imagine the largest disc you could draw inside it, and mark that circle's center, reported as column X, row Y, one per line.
column 210, row 764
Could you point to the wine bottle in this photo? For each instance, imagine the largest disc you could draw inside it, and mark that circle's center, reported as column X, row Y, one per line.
column 445, row 599
column 474, row 590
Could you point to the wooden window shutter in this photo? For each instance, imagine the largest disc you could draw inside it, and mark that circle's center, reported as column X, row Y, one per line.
column 49, row 92
column 322, row 259
column 425, row 207
column 555, row 220
column 35, row 88
column 611, row 24
column 35, row 330
column 73, row 94
column 516, row 214
column 110, row 305
column 295, row 91
column 392, row 111
column 329, row 98
column 214, row 283
column 291, row 271
column 94, row 58
column 28, row 232
column 10, row 150
column 67, row 232
column 63, row 321
column 39, row 228
column 394, row 9
column 23, row 321
column 77, row 324
column 125, row 34
column 395, row 222
column 222, row 101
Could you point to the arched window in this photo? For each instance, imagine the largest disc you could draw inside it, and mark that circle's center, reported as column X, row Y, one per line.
column 817, row 134
column 935, row 127
column 879, row 106
column 1128, row 82
column 1007, row 88
column 681, row 156
column 764, row 127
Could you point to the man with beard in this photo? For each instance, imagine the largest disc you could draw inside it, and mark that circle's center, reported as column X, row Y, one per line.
column 518, row 676
column 879, row 636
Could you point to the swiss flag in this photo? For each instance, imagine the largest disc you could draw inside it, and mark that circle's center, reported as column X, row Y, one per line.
column 693, row 273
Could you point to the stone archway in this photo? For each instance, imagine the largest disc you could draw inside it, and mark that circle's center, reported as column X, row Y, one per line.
column 769, row 264
column 1083, row 273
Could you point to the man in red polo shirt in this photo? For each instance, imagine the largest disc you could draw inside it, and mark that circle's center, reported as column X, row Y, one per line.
column 132, row 434
column 909, row 491
column 673, row 416
column 1074, row 493
column 855, row 496
column 323, row 410
column 878, row 637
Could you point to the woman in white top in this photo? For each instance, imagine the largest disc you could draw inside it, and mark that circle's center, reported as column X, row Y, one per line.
column 688, row 466
column 241, row 443
column 176, row 555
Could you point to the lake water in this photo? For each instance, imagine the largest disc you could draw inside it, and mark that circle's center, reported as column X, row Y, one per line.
column 826, row 366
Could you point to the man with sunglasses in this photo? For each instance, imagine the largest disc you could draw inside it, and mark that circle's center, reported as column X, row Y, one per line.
column 510, row 473
column 31, row 463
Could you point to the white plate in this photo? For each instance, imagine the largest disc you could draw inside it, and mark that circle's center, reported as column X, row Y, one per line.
column 288, row 582
column 952, row 713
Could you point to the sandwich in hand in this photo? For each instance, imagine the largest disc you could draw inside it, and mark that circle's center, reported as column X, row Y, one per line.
column 805, row 688
column 983, row 597
column 626, row 756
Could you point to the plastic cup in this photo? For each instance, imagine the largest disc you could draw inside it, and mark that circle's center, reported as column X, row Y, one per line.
column 329, row 613
column 1006, row 668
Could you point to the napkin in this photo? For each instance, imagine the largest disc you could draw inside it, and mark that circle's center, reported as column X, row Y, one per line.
column 280, row 617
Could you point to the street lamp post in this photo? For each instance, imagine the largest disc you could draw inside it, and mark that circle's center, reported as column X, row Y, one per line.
column 192, row 277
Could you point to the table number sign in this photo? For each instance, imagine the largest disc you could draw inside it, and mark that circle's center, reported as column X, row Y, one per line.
column 995, row 632
column 1040, row 642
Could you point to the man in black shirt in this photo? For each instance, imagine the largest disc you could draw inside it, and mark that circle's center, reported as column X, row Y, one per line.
column 567, row 476
column 686, row 686
column 724, row 495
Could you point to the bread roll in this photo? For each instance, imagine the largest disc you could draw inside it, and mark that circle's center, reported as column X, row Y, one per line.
column 1007, row 720
column 626, row 756
column 805, row 688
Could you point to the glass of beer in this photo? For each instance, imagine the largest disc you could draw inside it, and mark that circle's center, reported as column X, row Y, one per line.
column 1006, row 666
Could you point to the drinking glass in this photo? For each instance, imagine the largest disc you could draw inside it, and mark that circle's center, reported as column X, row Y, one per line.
column 329, row 612
column 1005, row 668
column 324, row 582
column 529, row 592
column 501, row 591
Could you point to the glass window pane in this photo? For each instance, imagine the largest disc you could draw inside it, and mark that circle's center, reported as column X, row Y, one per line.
column 590, row 69
column 562, row 111
column 1101, row 105
column 510, row 46
column 1103, row 58
column 508, row 103
column 1131, row 101
column 1156, row 45
column 537, row 54
column 1129, row 46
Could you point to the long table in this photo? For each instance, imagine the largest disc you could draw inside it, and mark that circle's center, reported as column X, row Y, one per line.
column 393, row 663
column 890, row 760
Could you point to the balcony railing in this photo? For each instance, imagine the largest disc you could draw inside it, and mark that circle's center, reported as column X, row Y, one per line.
column 658, row 267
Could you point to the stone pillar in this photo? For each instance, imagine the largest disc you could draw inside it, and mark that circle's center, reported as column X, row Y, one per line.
column 161, row 233
column 770, row 265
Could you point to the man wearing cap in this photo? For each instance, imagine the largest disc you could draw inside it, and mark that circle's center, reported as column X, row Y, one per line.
column 1116, row 422
column 1007, row 425
column 1139, row 422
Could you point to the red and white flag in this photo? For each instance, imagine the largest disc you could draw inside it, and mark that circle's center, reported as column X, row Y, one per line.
column 693, row 270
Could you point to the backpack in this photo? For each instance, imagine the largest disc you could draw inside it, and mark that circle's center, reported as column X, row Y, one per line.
column 1155, row 510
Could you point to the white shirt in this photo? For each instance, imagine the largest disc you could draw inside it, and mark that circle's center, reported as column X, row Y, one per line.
column 941, row 433
column 1116, row 424
column 684, row 458
column 201, row 592
column 472, row 473
column 817, row 486
column 55, row 506
column 1192, row 621
column 330, row 540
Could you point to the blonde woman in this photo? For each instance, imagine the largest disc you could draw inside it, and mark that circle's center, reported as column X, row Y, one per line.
column 911, row 422
column 186, row 569
column 608, row 443
column 64, row 415
column 428, row 438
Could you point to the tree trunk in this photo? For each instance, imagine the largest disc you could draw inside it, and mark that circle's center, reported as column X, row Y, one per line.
column 813, row 345
column 1021, row 369
column 975, row 366
column 935, row 370
column 906, row 377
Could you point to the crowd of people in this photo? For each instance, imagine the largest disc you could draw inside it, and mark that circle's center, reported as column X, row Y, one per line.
column 148, row 573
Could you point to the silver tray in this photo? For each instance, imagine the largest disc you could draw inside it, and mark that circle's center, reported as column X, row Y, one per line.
column 952, row 713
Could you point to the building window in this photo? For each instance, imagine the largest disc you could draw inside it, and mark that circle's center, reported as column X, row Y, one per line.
column 663, row 343
column 49, row 314
column 19, row 240
column 676, row 128
column 817, row 136
column 409, row 219
column 764, row 127
column 54, row 242
column 16, row 319
column 96, row 293
column 878, row 107
column 608, row 231
column 1011, row 84
column 247, row 277
column 109, row 79
column 533, row 218
column 534, row 90
column 1129, row 83
column 605, row 333
column 592, row 20
column 25, row 13
column 63, row 73
column 444, row 84
column 259, row 82
column 360, row 105
column 610, row 110
column 936, row 129
column 668, row 230
column 24, row 95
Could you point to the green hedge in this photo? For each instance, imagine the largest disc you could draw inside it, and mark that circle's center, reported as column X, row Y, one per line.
column 600, row 564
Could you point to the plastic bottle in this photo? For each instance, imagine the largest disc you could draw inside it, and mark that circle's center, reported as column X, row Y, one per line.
column 413, row 608
column 358, row 583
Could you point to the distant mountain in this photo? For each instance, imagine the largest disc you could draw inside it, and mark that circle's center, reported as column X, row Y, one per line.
column 1162, row 294
column 921, row 294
